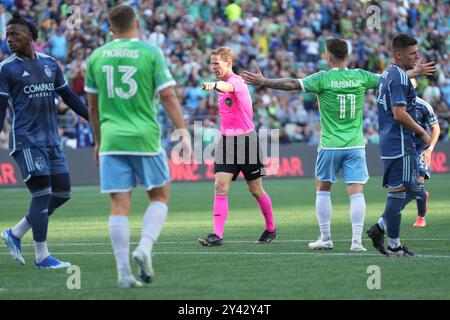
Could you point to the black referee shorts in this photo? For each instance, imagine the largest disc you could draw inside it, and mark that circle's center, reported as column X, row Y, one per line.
column 240, row 153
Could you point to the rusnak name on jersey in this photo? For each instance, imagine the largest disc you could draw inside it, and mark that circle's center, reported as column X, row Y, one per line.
column 346, row 84
column 39, row 90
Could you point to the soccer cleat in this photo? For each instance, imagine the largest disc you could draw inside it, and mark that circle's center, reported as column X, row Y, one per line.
column 14, row 246
column 357, row 246
column 420, row 222
column 376, row 234
column 144, row 262
column 321, row 244
column 127, row 280
column 52, row 263
column 426, row 201
column 400, row 251
column 210, row 240
column 267, row 237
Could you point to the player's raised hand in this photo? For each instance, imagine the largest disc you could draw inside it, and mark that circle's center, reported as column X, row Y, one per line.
column 425, row 69
column 256, row 79
column 208, row 86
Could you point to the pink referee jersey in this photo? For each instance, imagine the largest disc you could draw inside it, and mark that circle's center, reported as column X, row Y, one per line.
column 236, row 110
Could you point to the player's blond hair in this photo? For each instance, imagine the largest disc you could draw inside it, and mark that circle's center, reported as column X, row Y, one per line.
column 225, row 54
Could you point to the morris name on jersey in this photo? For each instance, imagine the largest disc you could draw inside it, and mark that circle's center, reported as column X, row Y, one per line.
column 120, row 53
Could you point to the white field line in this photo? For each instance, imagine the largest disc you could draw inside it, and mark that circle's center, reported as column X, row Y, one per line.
column 76, row 244
column 206, row 253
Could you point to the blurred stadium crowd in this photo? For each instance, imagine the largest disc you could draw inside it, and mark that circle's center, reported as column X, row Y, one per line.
column 285, row 38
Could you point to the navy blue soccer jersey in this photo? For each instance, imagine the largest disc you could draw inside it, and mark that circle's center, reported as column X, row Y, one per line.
column 395, row 89
column 30, row 85
column 425, row 117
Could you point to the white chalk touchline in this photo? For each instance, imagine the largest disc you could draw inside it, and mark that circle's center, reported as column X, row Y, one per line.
column 328, row 253
column 107, row 243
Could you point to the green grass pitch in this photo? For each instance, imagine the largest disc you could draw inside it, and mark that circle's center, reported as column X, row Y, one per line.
column 240, row 269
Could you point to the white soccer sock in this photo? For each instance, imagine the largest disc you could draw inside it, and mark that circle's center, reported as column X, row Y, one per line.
column 323, row 212
column 154, row 218
column 41, row 250
column 357, row 213
column 119, row 231
column 382, row 224
column 21, row 228
column 393, row 242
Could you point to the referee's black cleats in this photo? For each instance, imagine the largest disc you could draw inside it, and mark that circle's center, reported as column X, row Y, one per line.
column 267, row 237
column 211, row 240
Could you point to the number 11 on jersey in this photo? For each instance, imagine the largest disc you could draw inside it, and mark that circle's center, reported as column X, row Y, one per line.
column 343, row 99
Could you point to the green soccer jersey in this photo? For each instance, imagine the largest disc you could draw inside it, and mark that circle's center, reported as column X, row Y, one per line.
column 126, row 74
column 341, row 98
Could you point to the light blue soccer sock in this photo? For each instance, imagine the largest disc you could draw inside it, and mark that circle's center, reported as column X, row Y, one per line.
column 153, row 221
column 394, row 205
column 119, row 231
column 324, row 212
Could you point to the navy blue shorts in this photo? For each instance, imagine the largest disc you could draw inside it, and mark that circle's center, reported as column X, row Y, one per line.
column 403, row 171
column 41, row 161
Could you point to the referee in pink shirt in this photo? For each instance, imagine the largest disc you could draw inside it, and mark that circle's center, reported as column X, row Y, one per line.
column 238, row 149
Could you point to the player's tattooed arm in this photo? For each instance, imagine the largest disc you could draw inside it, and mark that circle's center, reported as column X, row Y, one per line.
column 422, row 69
column 286, row 84
column 258, row 79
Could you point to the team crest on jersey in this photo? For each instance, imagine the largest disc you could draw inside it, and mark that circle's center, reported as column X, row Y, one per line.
column 228, row 102
column 39, row 164
column 48, row 71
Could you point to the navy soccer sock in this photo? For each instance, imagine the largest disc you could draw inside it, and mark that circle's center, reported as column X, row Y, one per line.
column 61, row 191
column 56, row 200
column 38, row 213
column 410, row 195
column 413, row 193
column 394, row 205
column 421, row 202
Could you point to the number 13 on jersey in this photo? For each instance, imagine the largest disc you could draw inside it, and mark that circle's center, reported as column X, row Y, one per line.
column 126, row 79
